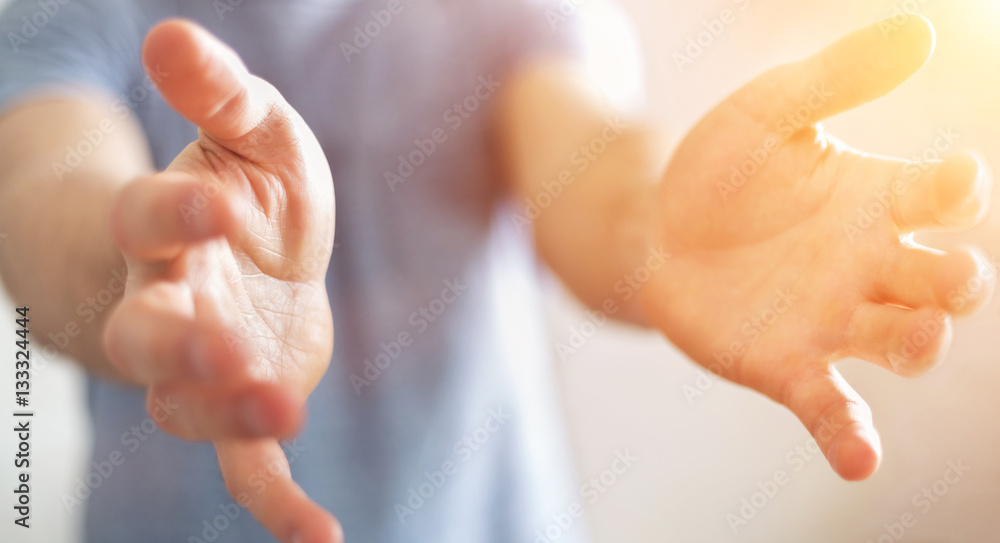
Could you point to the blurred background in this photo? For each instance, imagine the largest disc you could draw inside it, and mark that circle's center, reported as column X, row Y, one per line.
column 706, row 461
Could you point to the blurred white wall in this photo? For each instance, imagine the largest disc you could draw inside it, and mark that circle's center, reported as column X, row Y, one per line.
column 622, row 389
column 60, row 436
column 698, row 461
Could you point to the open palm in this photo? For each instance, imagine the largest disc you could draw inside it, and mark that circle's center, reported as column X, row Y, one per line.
column 791, row 251
column 226, row 314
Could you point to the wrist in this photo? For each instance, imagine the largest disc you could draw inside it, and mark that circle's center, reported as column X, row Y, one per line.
column 640, row 253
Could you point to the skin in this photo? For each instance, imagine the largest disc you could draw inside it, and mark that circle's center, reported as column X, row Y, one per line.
column 765, row 284
column 226, row 314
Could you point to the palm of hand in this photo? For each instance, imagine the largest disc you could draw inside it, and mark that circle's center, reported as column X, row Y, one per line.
column 790, row 251
column 267, row 281
column 226, row 314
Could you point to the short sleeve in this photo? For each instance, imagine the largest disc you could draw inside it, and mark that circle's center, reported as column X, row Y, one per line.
column 530, row 30
column 596, row 34
column 60, row 46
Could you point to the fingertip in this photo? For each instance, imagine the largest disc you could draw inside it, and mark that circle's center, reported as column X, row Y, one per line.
column 336, row 531
column 212, row 211
column 202, row 78
column 232, row 213
column 855, row 453
column 323, row 528
column 217, row 355
column 962, row 190
column 924, row 32
column 270, row 410
column 169, row 40
column 109, row 340
column 922, row 341
column 153, row 218
column 914, row 35
column 965, row 281
column 122, row 204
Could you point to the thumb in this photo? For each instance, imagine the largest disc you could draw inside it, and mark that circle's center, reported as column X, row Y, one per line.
column 838, row 419
column 205, row 81
column 853, row 71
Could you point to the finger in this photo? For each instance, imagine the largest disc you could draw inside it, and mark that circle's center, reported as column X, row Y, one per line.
column 950, row 195
column 152, row 338
column 838, row 419
column 210, row 412
column 857, row 69
column 959, row 282
column 906, row 342
column 281, row 506
column 154, row 218
column 209, row 85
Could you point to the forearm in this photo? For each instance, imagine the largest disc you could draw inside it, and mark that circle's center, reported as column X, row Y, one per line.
column 585, row 179
column 58, row 257
column 594, row 235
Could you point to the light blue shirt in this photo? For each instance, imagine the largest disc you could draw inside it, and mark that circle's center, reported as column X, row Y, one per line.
column 435, row 422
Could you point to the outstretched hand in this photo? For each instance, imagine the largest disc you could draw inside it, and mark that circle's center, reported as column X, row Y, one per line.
column 225, row 312
column 791, row 251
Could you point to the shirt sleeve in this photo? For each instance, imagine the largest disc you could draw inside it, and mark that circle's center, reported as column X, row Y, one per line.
column 595, row 34
column 68, row 46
